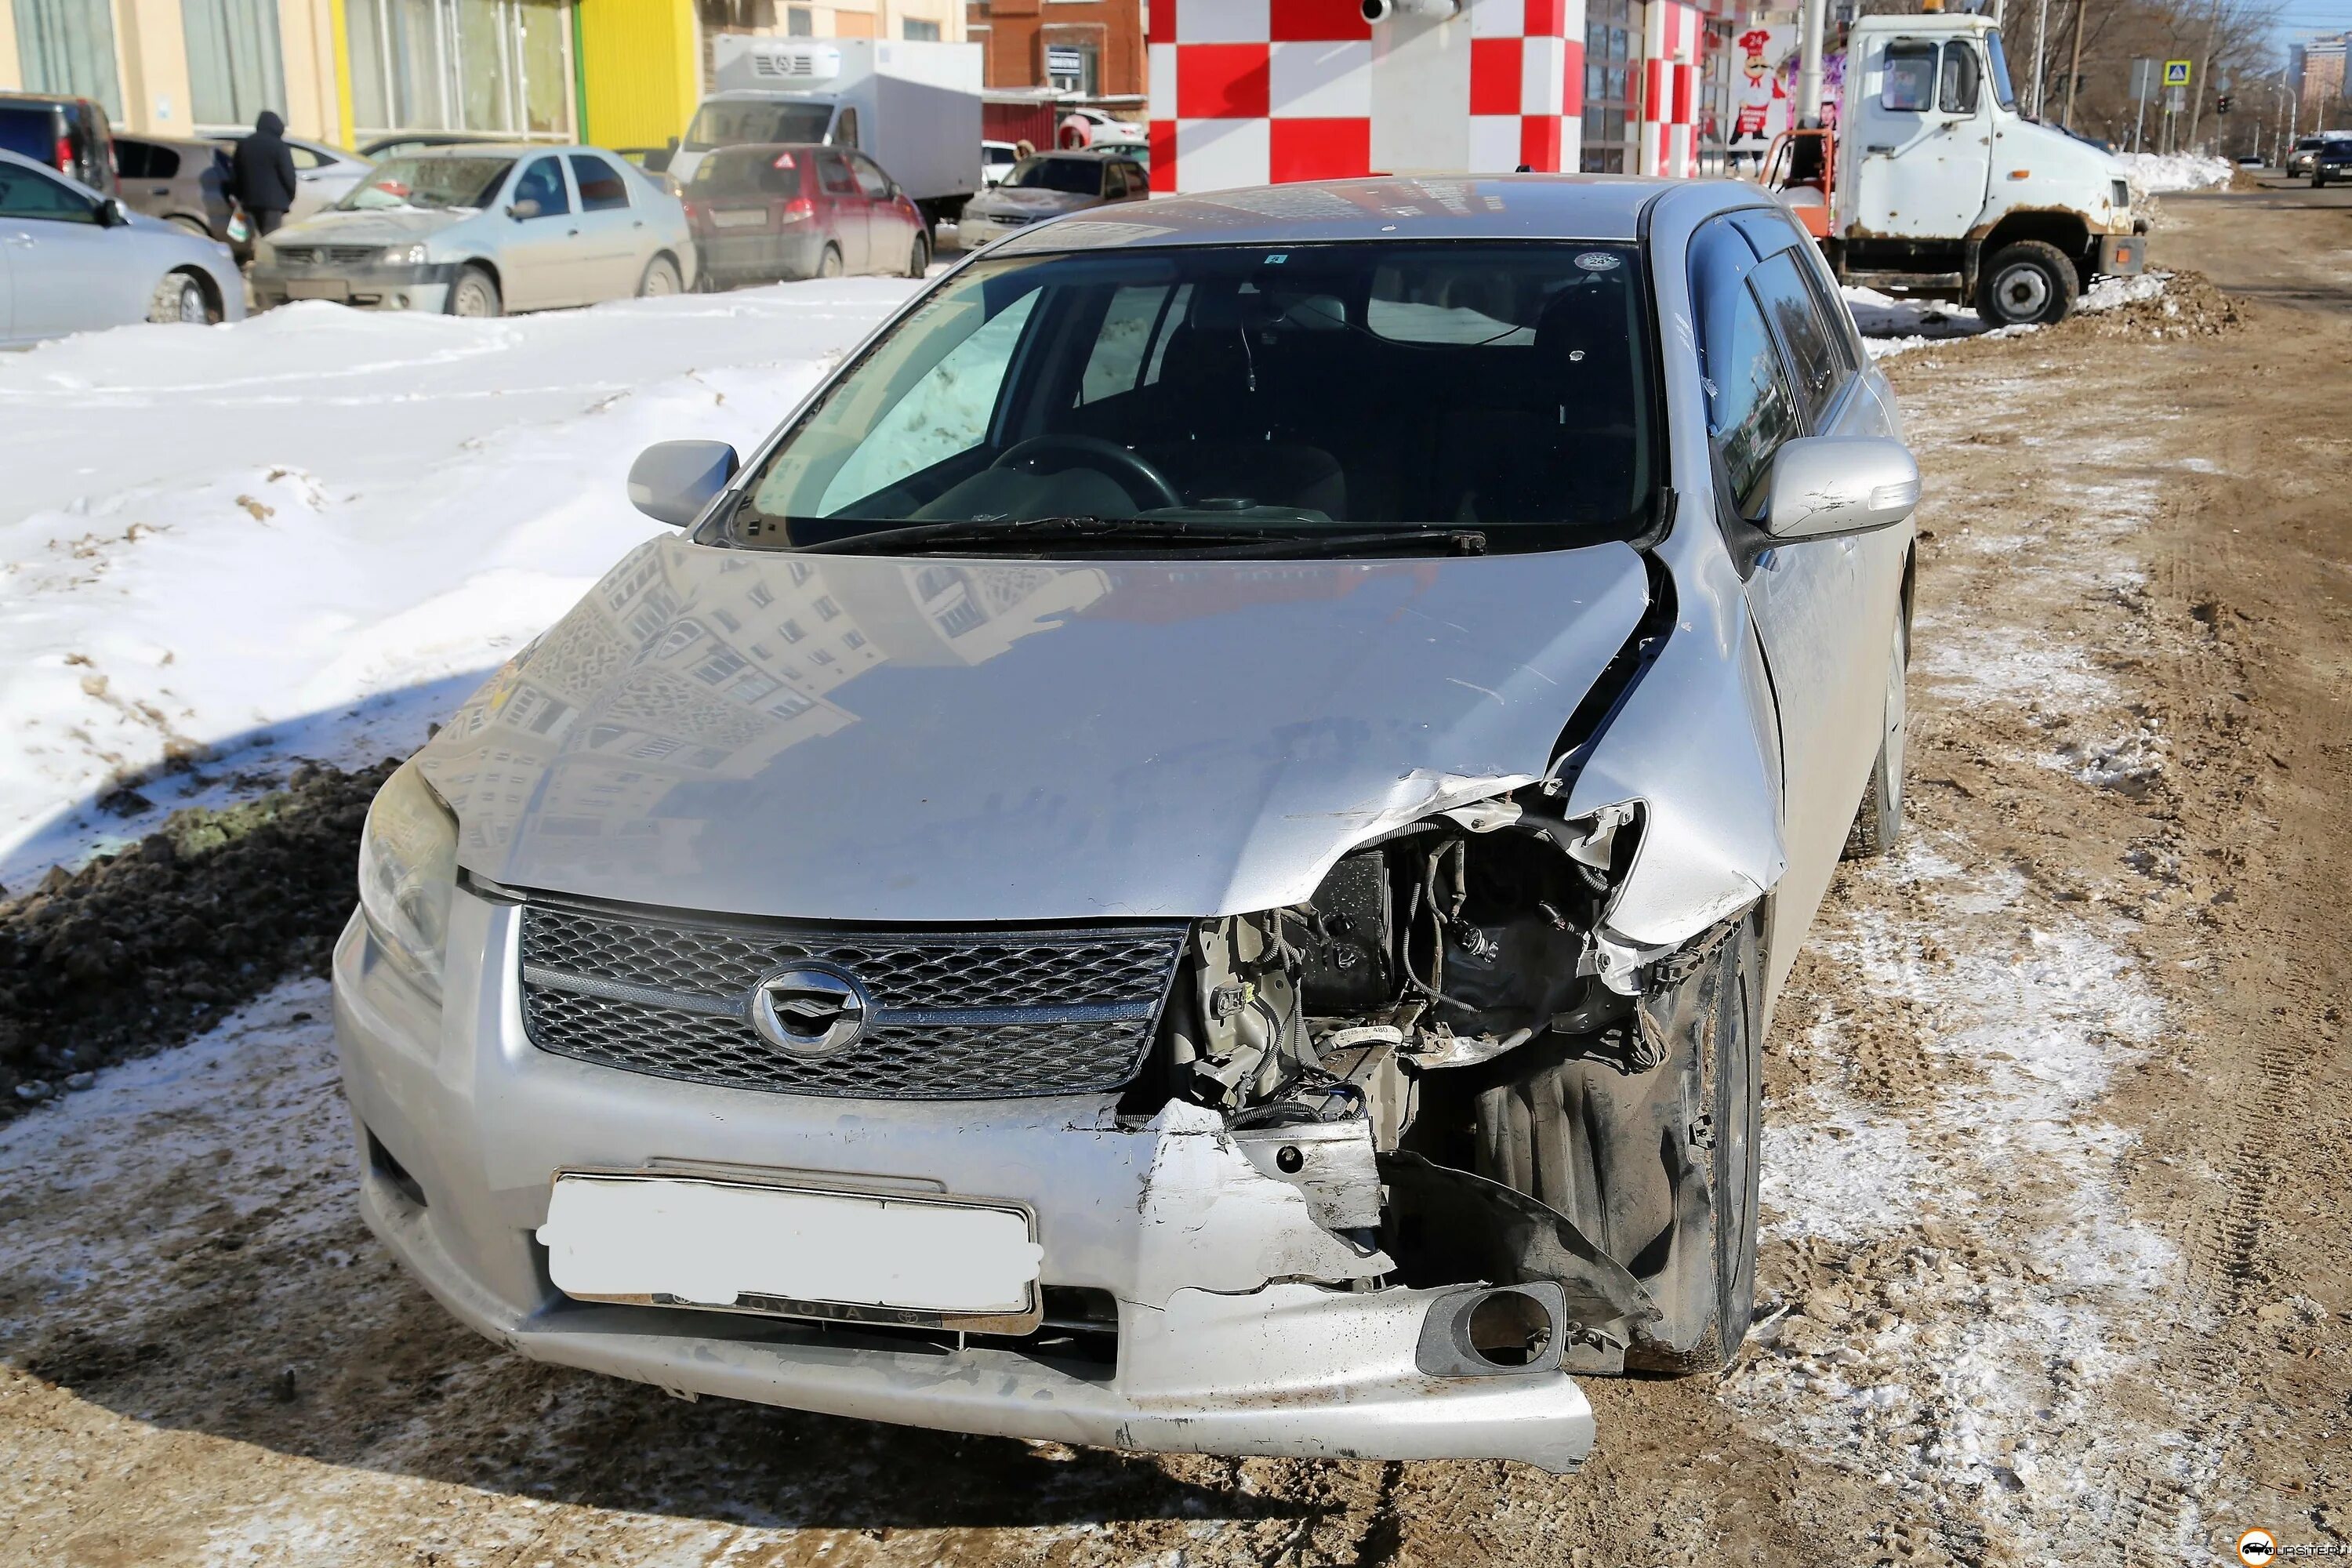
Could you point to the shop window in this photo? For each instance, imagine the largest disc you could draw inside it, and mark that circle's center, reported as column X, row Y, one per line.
column 495, row 66
column 1609, row 68
column 920, row 32
column 235, row 70
column 800, row 22
column 68, row 47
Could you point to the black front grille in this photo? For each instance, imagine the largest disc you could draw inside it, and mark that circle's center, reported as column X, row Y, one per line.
column 957, row 1015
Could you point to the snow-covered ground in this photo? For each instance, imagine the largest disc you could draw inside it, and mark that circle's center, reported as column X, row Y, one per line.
column 2152, row 173
column 308, row 533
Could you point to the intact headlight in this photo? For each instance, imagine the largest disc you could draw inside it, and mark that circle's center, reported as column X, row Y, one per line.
column 408, row 868
column 405, row 256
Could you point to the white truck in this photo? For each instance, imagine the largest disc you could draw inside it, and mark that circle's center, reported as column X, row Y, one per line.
column 913, row 107
column 1933, row 184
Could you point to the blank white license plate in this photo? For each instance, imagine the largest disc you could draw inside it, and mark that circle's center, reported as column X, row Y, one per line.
column 317, row 288
column 711, row 1242
column 740, row 218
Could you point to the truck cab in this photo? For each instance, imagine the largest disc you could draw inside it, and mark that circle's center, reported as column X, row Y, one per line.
column 1942, row 188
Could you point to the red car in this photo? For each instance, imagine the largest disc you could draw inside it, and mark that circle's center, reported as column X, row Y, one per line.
column 780, row 210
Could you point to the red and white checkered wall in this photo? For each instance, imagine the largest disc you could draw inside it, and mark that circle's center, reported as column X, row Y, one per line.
column 1671, row 36
column 1248, row 92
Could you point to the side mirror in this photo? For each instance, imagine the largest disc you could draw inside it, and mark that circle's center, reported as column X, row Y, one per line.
column 1828, row 485
column 112, row 214
column 672, row 481
column 523, row 209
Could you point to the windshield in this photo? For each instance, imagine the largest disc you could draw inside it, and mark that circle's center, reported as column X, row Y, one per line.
column 720, row 124
column 1075, row 176
column 2003, row 94
column 1322, row 389
column 435, row 182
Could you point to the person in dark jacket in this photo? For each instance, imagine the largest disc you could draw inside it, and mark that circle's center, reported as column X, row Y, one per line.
column 261, row 173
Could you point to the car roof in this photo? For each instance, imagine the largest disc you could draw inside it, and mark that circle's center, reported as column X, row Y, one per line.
column 1095, row 154
column 1604, row 208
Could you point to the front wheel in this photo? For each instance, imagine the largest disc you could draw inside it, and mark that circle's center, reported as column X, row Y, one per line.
column 2027, row 283
column 179, row 300
column 660, row 278
column 1879, row 821
column 475, row 293
column 921, row 261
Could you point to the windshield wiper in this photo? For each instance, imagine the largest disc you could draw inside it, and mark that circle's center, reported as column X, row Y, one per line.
column 1454, row 541
column 1037, row 529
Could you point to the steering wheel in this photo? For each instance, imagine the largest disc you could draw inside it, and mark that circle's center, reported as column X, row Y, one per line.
column 1137, row 474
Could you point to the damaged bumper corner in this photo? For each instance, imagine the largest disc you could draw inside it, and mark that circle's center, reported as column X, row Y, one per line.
column 1248, row 1313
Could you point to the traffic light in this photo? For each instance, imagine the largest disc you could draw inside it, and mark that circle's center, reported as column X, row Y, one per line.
column 2222, row 104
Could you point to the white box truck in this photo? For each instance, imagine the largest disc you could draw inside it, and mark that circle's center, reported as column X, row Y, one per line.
column 1933, row 183
column 913, row 107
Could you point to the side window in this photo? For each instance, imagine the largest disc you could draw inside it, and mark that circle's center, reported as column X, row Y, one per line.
column 1844, row 338
column 1749, row 410
column 543, row 183
column 25, row 193
column 1910, row 72
column 132, row 160
column 1115, row 362
column 1956, row 92
column 946, row 412
column 1804, row 337
column 832, row 172
column 871, row 179
column 844, row 129
column 304, row 158
column 602, row 189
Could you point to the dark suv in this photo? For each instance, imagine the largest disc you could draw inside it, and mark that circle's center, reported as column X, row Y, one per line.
column 2332, row 162
column 67, row 135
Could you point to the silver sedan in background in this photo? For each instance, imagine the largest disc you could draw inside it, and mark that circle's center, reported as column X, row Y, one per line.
column 72, row 260
column 483, row 230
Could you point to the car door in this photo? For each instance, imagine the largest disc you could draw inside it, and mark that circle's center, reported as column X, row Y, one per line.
column 1926, row 141
column 614, row 240
column 69, row 272
column 540, row 252
column 843, row 208
column 889, row 235
column 1823, row 608
column 322, row 176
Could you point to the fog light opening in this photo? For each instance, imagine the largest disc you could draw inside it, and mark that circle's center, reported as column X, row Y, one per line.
column 1508, row 1328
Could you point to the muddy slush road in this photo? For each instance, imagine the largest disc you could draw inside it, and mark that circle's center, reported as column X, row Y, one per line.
column 2057, row 1262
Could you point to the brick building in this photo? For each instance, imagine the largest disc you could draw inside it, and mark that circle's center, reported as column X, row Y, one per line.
column 1092, row 49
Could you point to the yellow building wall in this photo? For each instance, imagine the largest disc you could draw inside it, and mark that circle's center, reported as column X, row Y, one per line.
column 12, row 71
column 306, row 39
column 640, row 66
column 152, row 61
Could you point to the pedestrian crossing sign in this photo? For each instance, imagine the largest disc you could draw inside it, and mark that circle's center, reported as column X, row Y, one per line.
column 2176, row 73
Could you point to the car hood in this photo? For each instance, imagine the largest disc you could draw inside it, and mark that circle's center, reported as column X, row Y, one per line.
column 388, row 225
column 858, row 738
column 1025, row 201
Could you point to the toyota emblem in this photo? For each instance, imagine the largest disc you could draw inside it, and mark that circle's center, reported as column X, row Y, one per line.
column 810, row 1009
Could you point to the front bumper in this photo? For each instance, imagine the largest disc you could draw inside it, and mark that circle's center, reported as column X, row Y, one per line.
column 2122, row 255
column 1226, row 1342
column 421, row 287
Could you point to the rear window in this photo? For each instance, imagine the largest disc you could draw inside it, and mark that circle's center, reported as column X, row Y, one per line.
column 745, row 172
column 1072, row 177
column 720, row 124
column 30, row 133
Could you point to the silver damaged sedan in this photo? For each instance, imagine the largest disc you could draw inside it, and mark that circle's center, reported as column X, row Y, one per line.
column 1194, row 856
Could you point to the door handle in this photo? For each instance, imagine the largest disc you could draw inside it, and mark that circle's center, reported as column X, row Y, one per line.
column 571, row 233
column 159, row 190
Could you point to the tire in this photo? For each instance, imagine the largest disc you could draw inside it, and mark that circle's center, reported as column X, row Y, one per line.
column 829, row 264
column 2027, row 283
column 187, row 224
column 1879, row 822
column 179, row 300
column 476, row 294
column 921, row 261
column 660, row 280
column 1656, row 1165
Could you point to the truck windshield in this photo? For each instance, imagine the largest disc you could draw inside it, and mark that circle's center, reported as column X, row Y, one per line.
column 1339, row 392
column 2003, row 92
column 724, row 124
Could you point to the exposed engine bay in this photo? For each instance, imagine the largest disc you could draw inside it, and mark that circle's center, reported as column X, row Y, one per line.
column 1445, row 1049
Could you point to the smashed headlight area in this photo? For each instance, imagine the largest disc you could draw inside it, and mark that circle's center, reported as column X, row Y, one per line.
column 1472, row 1083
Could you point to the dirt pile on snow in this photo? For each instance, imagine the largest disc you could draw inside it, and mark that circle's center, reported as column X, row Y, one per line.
column 141, row 950
column 2189, row 305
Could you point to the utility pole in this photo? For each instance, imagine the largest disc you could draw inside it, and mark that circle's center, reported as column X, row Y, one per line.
column 1809, row 65
column 2041, row 27
column 2204, row 70
column 2074, row 71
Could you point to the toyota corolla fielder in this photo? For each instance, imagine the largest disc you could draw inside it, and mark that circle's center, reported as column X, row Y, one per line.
column 1194, row 855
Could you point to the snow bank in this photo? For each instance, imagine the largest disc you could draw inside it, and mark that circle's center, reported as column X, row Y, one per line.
column 1893, row 325
column 310, row 533
column 2153, row 172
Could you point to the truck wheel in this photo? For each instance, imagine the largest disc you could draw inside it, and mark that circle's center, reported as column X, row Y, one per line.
column 2027, row 282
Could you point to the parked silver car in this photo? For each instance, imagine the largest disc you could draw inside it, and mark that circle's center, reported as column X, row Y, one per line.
column 1193, row 855
column 483, row 230
column 72, row 260
column 1049, row 185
